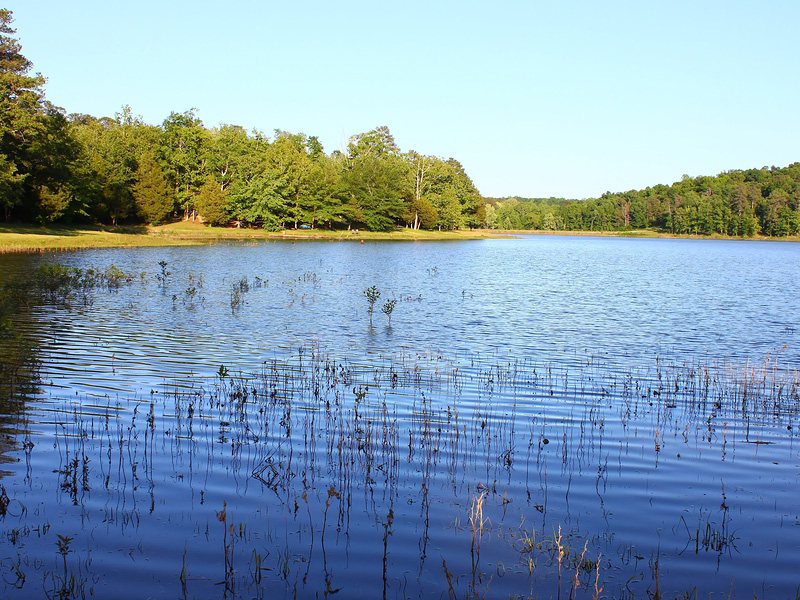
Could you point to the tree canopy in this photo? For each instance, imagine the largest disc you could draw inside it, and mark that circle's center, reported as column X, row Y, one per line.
column 22, row 120
column 77, row 167
column 763, row 201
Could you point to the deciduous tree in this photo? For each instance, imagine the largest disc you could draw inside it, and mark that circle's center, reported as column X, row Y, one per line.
column 185, row 142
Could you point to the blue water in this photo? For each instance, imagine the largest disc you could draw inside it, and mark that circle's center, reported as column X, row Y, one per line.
column 633, row 394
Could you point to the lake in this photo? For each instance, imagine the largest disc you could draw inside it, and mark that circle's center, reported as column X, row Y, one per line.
column 576, row 417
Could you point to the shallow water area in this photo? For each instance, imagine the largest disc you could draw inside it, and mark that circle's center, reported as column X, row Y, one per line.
column 583, row 417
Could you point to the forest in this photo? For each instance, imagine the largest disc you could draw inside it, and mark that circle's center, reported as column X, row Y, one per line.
column 738, row 203
column 60, row 167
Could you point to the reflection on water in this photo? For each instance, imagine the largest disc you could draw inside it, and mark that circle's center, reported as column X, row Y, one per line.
column 544, row 417
column 19, row 370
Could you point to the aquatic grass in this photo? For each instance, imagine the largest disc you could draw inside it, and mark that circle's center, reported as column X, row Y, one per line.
column 310, row 422
column 238, row 289
column 4, row 501
column 55, row 282
column 228, row 539
column 328, row 444
column 477, row 521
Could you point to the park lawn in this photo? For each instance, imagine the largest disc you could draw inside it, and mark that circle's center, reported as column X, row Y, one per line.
column 31, row 238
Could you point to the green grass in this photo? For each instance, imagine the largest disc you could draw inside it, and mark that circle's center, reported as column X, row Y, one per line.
column 30, row 238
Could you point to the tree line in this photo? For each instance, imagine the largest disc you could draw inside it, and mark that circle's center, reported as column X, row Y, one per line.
column 59, row 167
column 748, row 202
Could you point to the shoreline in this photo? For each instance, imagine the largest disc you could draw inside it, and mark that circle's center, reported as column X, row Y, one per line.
column 30, row 238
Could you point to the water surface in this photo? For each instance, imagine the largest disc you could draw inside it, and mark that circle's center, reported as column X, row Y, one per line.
column 543, row 415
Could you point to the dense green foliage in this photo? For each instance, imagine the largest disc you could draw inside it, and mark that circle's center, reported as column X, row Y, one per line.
column 151, row 192
column 56, row 167
column 39, row 173
column 762, row 201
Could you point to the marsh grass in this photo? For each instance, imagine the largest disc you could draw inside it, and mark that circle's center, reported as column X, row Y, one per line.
column 238, row 290
column 328, row 439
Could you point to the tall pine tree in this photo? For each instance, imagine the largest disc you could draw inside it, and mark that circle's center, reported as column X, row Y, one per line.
column 152, row 193
column 21, row 98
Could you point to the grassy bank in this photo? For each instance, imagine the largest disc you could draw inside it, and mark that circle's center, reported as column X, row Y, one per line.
column 29, row 238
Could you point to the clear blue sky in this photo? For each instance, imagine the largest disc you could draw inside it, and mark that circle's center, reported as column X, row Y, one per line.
column 558, row 98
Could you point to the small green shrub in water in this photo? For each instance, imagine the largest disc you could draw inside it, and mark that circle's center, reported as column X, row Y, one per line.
column 237, row 297
column 162, row 277
column 238, row 290
column 59, row 283
column 243, row 284
column 63, row 543
column 113, row 277
column 372, row 294
column 388, row 308
column 190, row 294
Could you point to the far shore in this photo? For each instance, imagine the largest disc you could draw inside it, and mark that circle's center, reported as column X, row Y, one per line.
column 31, row 238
